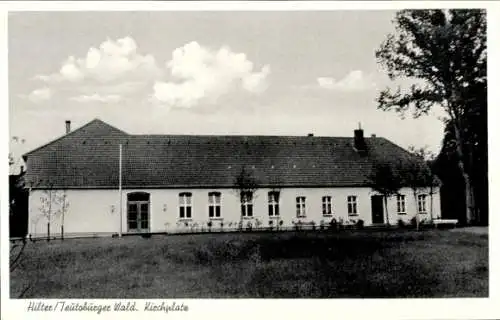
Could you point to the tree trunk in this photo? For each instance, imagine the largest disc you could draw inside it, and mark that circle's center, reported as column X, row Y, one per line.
column 416, row 207
column 469, row 199
column 386, row 211
column 62, row 222
column 431, row 193
column 50, row 212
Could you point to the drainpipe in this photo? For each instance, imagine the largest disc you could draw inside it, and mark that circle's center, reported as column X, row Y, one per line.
column 120, row 189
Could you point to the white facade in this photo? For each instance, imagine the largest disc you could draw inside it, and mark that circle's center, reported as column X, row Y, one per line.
column 97, row 211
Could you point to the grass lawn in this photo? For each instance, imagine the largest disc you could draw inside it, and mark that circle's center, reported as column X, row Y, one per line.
column 348, row 264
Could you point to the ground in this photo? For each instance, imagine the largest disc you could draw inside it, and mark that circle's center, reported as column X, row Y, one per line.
column 346, row 264
column 475, row 230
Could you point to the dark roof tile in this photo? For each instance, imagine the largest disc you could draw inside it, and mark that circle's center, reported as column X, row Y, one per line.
column 89, row 158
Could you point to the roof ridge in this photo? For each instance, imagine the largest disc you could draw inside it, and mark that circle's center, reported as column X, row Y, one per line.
column 237, row 135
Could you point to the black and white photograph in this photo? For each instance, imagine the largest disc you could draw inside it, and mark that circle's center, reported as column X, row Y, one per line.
column 246, row 154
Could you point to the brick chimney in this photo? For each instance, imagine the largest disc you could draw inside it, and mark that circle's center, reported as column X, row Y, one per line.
column 68, row 126
column 359, row 140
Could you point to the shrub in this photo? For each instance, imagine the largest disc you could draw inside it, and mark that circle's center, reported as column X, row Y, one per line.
column 333, row 224
column 209, row 225
column 401, row 223
column 249, row 225
column 360, row 224
column 413, row 222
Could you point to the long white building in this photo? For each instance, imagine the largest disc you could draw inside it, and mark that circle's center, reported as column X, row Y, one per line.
column 99, row 179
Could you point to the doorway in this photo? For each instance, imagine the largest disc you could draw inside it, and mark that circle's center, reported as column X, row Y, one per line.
column 377, row 209
column 138, row 212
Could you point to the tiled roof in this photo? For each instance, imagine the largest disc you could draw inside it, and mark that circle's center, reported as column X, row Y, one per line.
column 89, row 158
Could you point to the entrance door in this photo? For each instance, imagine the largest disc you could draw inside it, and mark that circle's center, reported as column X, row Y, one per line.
column 138, row 212
column 377, row 209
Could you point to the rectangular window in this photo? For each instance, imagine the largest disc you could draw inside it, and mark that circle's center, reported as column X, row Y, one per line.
column 401, row 204
column 273, row 203
column 352, row 205
column 185, row 205
column 301, row 207
column 132, row 216
column 327, row 205
column 246, row 204
column 214, row 204
column 422, row 205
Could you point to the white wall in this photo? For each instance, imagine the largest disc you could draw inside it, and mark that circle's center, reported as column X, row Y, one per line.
column 97, row 211
column 89, row 211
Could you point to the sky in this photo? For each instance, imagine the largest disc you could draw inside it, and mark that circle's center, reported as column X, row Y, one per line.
column 264, row 73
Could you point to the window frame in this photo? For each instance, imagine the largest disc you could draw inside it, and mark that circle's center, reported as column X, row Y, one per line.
column 352, row 205
column 246, row 202
column 401, row 204
column 326, row 202
column 215, row 205
column 185, row 204
column 422, row 203
column 273, row 204
column 300, row 207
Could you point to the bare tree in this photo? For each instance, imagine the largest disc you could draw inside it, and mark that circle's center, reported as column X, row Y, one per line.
column 62, row 208
column 46, row 202
column 53, row 204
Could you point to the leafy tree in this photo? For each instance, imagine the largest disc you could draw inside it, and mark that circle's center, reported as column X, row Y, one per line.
column 386, row 180
column 245, row 181
column 443, row 53
column 418, row 176
column 246, row 185
column 446, row 167
column 18, row 195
